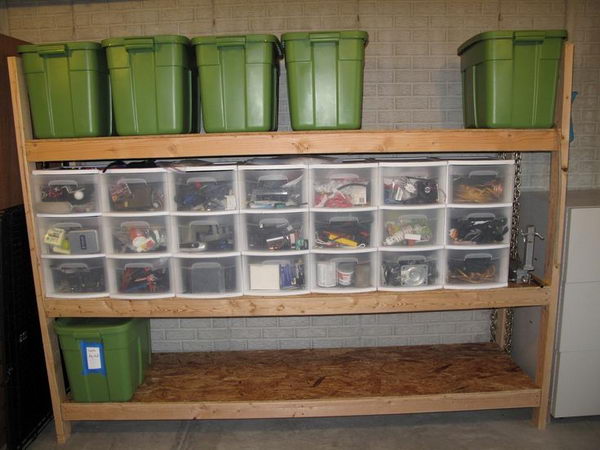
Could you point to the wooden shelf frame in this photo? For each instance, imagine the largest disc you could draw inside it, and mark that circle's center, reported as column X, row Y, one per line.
column 555, row 141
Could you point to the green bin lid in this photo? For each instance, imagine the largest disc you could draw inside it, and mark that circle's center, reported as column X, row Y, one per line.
column 66, row 326
column 241, row 38
column 35, row 48
column 159, row 39
column 512, row 34
column 325, row 35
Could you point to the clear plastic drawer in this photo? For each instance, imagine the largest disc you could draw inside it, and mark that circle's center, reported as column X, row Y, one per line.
column 480, row 182
column 140, row 278
column 480, row 226
column 348, row 272
column 66, row 191
column 70, row 235
column 343, row 185
column 276, row 232
column 75, row 277
column 411, row 271
column 281, row 274
column 344, row 229
column 209, row 277
column 413, row 183
column 477, row 269
column 202, row 234
column 410, row 228
column 138, row 234
column 136, row 190
column 273, row 186
column 205, row 189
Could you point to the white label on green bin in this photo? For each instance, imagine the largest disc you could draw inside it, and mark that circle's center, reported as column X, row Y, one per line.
column 92, row 354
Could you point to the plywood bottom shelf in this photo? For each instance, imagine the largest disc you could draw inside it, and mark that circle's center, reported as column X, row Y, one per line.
column 324, row 382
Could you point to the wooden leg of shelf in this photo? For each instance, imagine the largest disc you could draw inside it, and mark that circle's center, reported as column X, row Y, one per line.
column 501, row 335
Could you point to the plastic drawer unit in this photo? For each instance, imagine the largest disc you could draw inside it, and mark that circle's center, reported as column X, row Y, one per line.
column 412, row 184
column 75, row 277
column 199, row 234
column 413, row 228
column 413, row 270
column 283, row 273
column 345, row 272
column 469, row 226
column 204, row 189
column 130, row 191
column 68, row 89
column 275, row 186
column 140, row 278
column 79, row 234
column 477, row 269
column 209, row 277
column 337, row 230
column 138, row 235
column 510, row 78
column 275, row 231
column 343, row 185
column 238, row 82
column 70, row 191
column 480, row 182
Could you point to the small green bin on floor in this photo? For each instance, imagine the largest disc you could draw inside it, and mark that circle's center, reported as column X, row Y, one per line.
column 106, row 359
column 325, row 79
column 151, row 79
column 510, row 77
column 239, row 77
column 69, row 93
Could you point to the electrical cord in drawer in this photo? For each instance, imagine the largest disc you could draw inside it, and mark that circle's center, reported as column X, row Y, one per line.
column 474, row 268
column 71, row 238
column 479, row 186
column 277, row 274
column 139, row 237
column 277, row 233
column 136, row 194
column 410, row 271
column 77, row 277
column 404, row 190
column 342, row 191
column 65, row 197
column 206, row 235
column 205, row 193
column 478, row 228
column 276, row 191
column 343, row 232
column 408, row 230
column 144, row 278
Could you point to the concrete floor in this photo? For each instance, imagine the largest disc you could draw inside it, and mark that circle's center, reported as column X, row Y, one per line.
column 502, row 429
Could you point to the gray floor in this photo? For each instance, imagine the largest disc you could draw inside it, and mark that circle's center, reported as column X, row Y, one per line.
column 503, row 429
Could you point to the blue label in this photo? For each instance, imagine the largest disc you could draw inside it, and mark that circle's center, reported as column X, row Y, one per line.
column 92, row 358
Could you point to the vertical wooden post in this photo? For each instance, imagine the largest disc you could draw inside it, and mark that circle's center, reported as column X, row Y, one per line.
column 501, row 319
column 556, row 224
column 23, row 132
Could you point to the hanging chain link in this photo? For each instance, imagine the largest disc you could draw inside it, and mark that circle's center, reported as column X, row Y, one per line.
column 514, row 251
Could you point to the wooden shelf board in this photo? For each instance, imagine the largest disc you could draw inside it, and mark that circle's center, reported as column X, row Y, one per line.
column 311, row 304
column 324, row 382
column 292, row 143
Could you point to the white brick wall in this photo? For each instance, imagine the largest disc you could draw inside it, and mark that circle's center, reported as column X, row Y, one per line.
column 411, row 81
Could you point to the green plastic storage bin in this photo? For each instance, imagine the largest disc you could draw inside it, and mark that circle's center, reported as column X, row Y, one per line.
column 239, row 78
column 151, row 80
column 68, row 87
column 510, row 77
column 325, row 79
column 106, row 359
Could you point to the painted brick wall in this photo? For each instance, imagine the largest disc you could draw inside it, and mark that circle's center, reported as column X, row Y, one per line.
column 411, row 81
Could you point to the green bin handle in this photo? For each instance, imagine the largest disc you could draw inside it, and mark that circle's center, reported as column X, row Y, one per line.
column 324, row 37
column 139, row 44
column 52, row 50
column 236, row 41
column 529, row 37
column 87, row 335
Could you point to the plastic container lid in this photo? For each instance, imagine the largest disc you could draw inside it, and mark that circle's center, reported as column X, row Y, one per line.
column 325, row 35
column 512, row 34
column 58, row 46
column 241, row 38
column 159, row 39
column 67, row 326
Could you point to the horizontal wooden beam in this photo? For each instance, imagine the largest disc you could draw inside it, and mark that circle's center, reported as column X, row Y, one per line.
column 291, row 143
column 301, row 408
column 312, row 304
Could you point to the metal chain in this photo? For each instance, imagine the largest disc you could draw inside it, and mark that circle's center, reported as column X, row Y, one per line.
column 514, row 250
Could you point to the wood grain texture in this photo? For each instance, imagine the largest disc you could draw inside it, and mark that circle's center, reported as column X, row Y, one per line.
column 291, row 143
column 292, row 383
column 312, row 304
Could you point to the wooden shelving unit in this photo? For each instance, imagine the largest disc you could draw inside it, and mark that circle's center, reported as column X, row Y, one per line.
column 312, row 383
